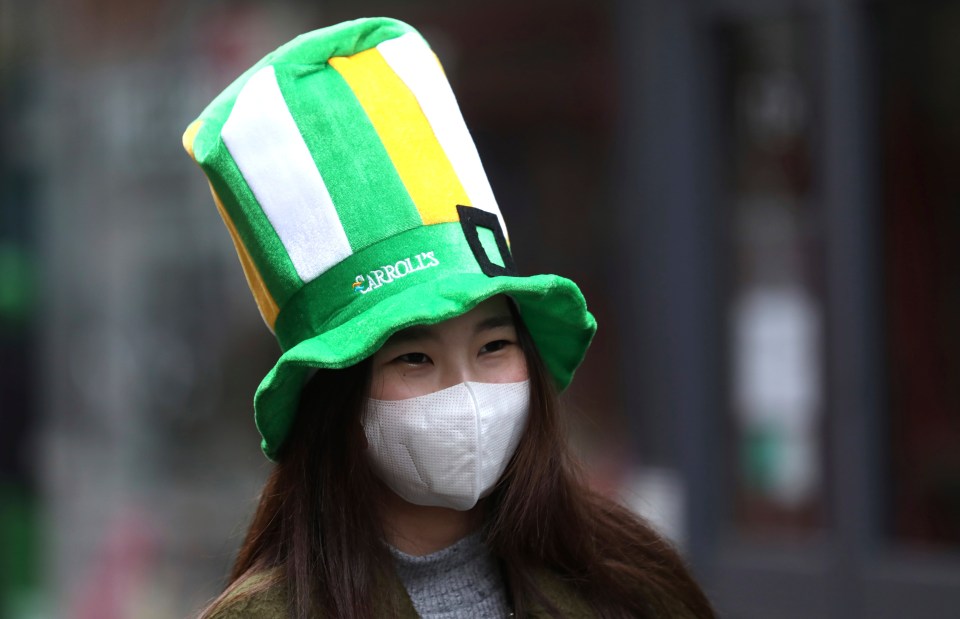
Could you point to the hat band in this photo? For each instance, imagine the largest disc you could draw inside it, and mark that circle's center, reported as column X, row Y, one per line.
column 367, row 277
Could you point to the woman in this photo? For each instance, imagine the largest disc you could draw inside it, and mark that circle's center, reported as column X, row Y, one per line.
column 421, row 468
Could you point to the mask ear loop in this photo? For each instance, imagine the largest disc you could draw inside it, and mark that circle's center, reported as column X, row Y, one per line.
column 470, row 218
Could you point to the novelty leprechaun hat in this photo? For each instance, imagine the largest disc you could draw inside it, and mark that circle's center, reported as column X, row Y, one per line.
column 358, row 206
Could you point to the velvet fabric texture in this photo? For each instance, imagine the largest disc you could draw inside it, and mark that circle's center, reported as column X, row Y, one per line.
column 358, row 206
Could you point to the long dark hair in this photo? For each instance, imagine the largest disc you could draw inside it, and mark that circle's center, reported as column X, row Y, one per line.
column 317, row 529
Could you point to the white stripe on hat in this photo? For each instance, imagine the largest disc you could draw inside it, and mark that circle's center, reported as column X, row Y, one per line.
column 266, row 144
column 411, row 59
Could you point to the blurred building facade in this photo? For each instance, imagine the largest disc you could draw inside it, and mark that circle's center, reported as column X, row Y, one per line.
column 758, row 198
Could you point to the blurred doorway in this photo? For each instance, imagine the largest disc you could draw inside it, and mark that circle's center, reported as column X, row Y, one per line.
column 798, row 162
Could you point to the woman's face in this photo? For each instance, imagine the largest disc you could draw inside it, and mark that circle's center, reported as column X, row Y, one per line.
column 479, row 346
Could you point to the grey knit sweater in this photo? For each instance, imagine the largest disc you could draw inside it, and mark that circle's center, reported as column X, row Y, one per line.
column 461, row 581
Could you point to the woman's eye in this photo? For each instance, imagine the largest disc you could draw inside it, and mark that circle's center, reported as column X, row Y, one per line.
column 494, row 346
column 414, row 358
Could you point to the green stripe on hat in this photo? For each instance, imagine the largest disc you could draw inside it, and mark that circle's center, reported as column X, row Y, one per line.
column 349, row 154
column 340, row 40
column 343, row 39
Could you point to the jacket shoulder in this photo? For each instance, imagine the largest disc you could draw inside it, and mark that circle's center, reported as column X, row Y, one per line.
column 259, row 596
column 561, row 594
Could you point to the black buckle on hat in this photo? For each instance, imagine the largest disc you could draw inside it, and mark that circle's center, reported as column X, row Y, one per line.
column 470, row 218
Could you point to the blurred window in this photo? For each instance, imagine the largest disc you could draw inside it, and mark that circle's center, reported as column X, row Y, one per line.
column 774, row 284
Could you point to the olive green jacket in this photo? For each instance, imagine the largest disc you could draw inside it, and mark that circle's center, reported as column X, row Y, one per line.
column 269, row 602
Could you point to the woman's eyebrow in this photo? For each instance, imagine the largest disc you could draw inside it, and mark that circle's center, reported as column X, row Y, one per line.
column 494, row 322
column 422, row 332
column 411, row 334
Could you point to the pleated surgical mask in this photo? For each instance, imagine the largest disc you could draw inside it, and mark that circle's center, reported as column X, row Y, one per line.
column 447, row 448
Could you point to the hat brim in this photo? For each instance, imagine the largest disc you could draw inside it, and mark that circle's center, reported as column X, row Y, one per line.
column 552, row 307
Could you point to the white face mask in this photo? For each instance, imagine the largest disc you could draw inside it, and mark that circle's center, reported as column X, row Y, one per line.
column 447, row 448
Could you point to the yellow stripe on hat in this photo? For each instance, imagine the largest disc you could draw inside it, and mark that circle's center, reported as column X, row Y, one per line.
column 418, row 67
column 190, row 135
column 266, row 304
column 407, row 136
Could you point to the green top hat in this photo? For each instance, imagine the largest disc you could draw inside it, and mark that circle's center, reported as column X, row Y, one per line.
column 358, row 205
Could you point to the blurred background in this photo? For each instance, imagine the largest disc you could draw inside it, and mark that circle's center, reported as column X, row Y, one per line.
column 760, row 199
